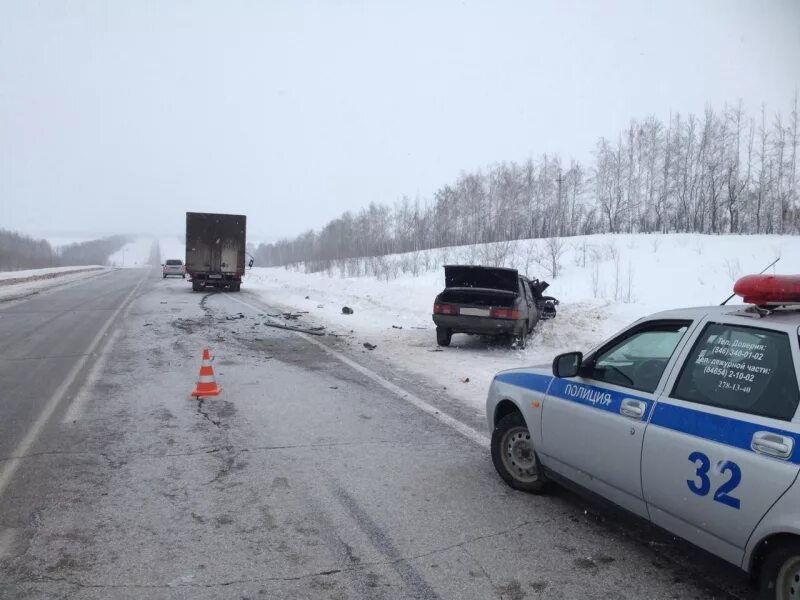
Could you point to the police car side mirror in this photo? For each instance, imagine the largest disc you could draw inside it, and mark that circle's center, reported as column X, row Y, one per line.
column 568, row 364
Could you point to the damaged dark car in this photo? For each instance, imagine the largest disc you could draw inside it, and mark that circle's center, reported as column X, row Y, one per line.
column 490, row 301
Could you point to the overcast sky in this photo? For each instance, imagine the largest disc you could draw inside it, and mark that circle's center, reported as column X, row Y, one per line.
column 118, row 117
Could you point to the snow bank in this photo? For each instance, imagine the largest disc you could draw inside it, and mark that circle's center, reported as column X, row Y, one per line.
column 40, row 273
column 133, row 255
column 606, row 282
column 19, row 284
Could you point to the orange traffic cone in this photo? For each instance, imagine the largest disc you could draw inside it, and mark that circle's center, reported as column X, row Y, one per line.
column 206, row 386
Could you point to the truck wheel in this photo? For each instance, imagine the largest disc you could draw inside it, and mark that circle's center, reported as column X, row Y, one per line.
column 514, row 457
column 184, row 275
column 165, row 276
column 235, row 287
column 780, row 572
column 196, row 286
column 443, row 336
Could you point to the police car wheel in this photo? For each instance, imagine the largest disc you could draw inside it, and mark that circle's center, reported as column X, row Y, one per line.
column 780, row 573
column 514, row 457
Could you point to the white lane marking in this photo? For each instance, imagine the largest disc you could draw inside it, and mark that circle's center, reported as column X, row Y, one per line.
column 462, row 428
column 12, row 464
column 75, row 409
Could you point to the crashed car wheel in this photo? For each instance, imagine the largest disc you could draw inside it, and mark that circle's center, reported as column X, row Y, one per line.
column 514, row 456
column 443, row 336
column 520, row 340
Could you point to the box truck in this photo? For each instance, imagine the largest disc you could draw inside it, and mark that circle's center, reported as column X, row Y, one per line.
column 215, row 250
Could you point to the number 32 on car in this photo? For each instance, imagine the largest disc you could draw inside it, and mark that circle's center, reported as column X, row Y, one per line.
column 702, row 485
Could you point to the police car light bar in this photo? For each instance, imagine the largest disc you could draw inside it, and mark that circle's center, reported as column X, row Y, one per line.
column 769, row 290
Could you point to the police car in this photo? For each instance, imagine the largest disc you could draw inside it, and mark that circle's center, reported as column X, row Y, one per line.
column 687, row 418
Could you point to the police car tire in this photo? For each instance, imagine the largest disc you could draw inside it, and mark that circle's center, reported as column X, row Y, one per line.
column 771, row 568
column 508, row 422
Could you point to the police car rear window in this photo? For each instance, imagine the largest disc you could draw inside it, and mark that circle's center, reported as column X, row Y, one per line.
column 745, row 369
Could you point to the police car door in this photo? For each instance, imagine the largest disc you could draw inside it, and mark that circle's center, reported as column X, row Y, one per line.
column 721, row 447
column 593, row 424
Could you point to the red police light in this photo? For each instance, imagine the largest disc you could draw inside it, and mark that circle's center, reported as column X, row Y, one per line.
column 769, row 289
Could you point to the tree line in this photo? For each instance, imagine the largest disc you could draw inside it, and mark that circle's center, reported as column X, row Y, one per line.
column 720, row 172
column 19, row 251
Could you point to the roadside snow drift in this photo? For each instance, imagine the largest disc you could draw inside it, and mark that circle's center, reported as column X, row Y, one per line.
column 605, row 282
column 19, row 284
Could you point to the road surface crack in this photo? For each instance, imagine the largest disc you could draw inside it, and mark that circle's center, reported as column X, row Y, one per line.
column 323, row 573
column 118, row 460
column 157, row 586
column 206, row 416
column 482, row 568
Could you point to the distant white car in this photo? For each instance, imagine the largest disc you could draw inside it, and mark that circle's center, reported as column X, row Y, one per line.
column 175, row 267
column 688, row 418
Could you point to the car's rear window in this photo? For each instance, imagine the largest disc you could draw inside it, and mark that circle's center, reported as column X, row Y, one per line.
column 174, row 263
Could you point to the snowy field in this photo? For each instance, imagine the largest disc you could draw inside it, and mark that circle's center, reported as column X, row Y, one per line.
column 133, row 255
column 606, row 282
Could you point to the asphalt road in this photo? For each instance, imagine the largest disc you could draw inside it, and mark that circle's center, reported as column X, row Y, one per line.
column 317, row 473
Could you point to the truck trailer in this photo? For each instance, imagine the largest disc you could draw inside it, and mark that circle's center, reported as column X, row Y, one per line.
column 215, row 250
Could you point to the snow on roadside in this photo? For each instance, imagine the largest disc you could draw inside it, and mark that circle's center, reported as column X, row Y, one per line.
column 133, row 255
column 19, row 284
column 607, row 282
column 51, row 271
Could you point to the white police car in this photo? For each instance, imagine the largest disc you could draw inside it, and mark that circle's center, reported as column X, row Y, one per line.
column 687, row 418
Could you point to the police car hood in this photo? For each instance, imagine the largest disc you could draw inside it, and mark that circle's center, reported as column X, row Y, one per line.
column 544, row 369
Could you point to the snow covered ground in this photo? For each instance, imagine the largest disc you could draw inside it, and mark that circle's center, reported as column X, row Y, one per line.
column 19, row 284
column 607, row 281
column 133, row 255
column 39, row 273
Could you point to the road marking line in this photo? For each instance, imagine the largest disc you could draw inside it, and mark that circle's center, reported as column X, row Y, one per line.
column 30, row 438
column 465, row 430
